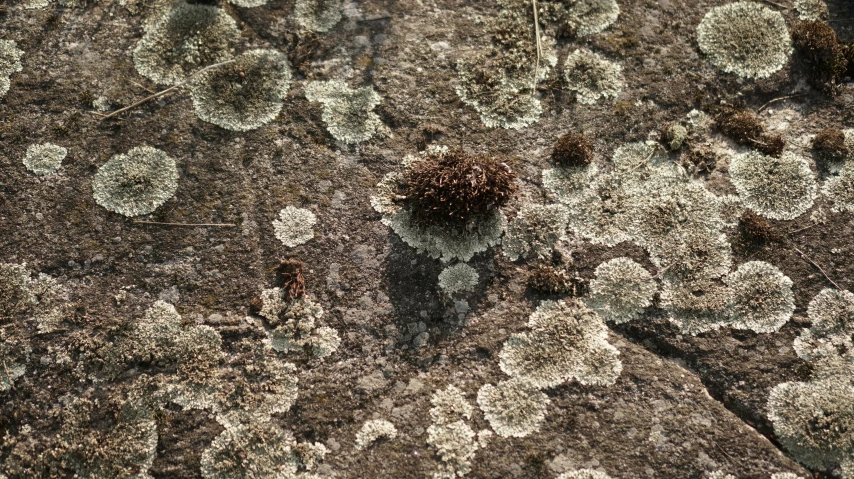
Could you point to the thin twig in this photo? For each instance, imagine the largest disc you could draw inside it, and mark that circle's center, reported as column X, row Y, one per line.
column 142, row 86
column 225, row 225
column 161, row 93
column 539, row 47
column 808, row 260
column 802, row 229
column 794, row 95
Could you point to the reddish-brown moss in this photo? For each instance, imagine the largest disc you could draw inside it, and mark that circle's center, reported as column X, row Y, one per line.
column 829, row 145
column 756, row 231
column 573, row 149
column 744, row 127
column 824, row 56
column 289, row 277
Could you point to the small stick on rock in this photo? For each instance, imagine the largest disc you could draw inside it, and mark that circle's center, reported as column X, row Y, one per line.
column 161, row 93
column 808, row 260
column 224, row 225
column 794, row 95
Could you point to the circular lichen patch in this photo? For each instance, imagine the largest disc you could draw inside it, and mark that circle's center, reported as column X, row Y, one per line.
column 745, row 38
column 243, row 95
column 44, row 159
column 778, row 188
column 592, row 77
column 136, row 183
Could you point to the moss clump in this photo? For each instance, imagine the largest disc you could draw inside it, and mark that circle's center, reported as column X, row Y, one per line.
column 572, row 149
column 317, row 15
column 455, row 189
column 818, row 46
column 548, row 279
column 830, row 147
column 743, row 126
column 348, row 113
column 289, row 277
column 181, row 40
column 592, row 77
column 136, row 183
column 745, row 38
column 10, row 62
column 756, row 231
column 243, row 95
column 44, row 159
column 513, row 408
column 776, row 188
column 673, row 136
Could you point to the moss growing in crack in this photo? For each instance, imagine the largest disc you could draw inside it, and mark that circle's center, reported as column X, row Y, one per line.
column 44, row 159
column 243, row 95
column 745, row 38
column 10, row 62
column 181, row 40
column 136, row 183
column 458, row 278
column 317, row 15
column 535, row 231
column 373, row 431
column 621, row 290
column 348, row 113
column 592, row 77
column 294, row 226
column 514, row 408
column 777, row 188
column 566, row 341
column 761, row 297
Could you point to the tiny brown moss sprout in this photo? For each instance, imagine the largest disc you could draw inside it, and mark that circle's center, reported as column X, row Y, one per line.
column 573, row 149
column 547, row 279
column 289, row 277
column 455, row 188
column 829, row 145
column 824, row 57
column 755, row 231
column 744, row 127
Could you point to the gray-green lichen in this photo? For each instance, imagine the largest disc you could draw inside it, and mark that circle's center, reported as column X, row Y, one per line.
column 588, row 17
column 592, row 77
column 840, row 189
column 249, row 3
column 584, row 474
column 458, row 278
column 745, row 38
column 449, row 405
column 621, row 290
column 535, row 231
column 720, row 475
column 44, row 159
column 514, row 408
column 456, row 446
column 42, row 299
column 294, row 226
column 317, row 15
column 181, row 40
column 295, row 325
column 499, row 81
column 831, row 313
column 811, row 10
column 243, row 95
column 348, row 113
column 14, row 354
column 761, row 297
column 10, row 62
column 136, row 183
column 374, row 430
column 778, row 188
column 785, row 475
column 566, row 341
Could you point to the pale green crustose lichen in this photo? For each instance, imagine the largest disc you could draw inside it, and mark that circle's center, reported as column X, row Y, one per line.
column 811, row 10
column 449, row 405
column 294, row 226
column 584, row 474
column 348, row 113
column 10, row 62
column 514, row 408
column 761, row 297
column 243, row 95
column 42, row 298
column 136, row 183
column 535, row 231
column 621, row 290
column 181, row 40
column 745, row 38
column 592, row 77
column 374, row 430
column 458, row 278
column 778, row 188
column 45, row 158
column 317, row 15
column 295, row 325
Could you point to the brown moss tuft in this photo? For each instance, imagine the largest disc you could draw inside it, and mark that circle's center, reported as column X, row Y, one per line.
column 829, row 145
column 756, row 231
column 547, row 279
column 744, row 127
column 456, row 188
column 573, row 149
column 289, row 277
column 818, row 46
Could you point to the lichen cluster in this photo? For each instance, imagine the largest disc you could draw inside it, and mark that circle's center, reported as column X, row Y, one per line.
column 179, row 41
column 374, row 430
column 294, row 226
column 621, row 290
column 514, row 408
column 592, row 77
column 458, row 278
column 811, row 10
column 41, row 299
column 294, row 324
column 317, row 15
column 584, row 474
column 45, row 158
column 535, row 231
column 778, row 188
column 136, row 183
column 10, row 62
column 745, row 38
column 454, row 440
column 348, row 113
column 243, row 95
